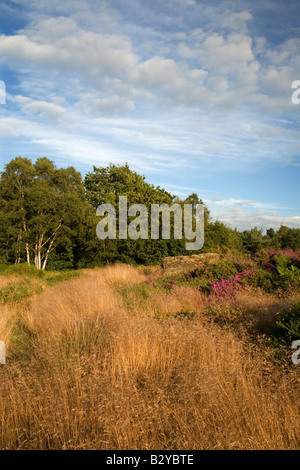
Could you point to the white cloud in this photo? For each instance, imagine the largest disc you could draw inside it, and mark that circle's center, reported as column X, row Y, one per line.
column 45, row 110
column 243, row 214
column 173, row 81
column 236, row 49
column 100, row 83
column 285, row 53
column 277, row 80
column 236, row 21
column 216, row 70
column 95, row 104
column 12, row 127
column 92, row 55
column 262, row 219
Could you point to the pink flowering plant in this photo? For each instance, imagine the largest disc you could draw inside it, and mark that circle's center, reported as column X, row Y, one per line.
column 269, row 270
column 227, row 288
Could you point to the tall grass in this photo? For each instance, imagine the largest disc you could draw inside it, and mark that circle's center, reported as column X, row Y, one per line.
column 89, row 366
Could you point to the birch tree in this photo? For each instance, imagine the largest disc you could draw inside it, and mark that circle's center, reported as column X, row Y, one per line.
column 41, row 206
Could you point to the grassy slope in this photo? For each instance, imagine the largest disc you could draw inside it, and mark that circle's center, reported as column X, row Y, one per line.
column 100, row 362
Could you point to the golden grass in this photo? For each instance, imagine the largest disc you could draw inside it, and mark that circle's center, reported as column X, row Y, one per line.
column 89, row 367
column 260, row 309
column 12, row 278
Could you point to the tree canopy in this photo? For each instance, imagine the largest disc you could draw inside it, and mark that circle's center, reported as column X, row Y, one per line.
column 48, row 218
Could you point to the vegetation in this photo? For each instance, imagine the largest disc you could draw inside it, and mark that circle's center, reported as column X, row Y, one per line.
column 119, row 357
column 107, row 361
column 269, row 270
column 48, row 219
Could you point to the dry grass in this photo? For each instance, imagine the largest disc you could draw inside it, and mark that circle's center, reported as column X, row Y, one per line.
column 259, row 309
column 6, row 280
column 91, row 368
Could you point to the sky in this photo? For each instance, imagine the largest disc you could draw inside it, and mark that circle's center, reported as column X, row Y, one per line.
column 195, row 95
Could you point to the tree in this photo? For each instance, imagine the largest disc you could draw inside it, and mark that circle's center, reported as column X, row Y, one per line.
column 219, row 237
column 15, row 183
column 253, row 240
column 272, row 239
column 289, row 237
column 106, row 185
column 43, row 208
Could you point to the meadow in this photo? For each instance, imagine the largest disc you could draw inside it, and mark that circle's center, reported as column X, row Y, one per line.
column 122, row 358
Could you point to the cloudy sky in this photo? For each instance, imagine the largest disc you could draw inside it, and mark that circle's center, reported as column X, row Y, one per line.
column 195, row 95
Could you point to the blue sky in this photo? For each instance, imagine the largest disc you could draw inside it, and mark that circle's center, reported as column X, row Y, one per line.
column 194, row 95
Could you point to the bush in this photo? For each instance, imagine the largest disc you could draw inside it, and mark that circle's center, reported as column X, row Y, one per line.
column 25, row 270
column 216, row 271
column 263, row 279
column 287, row 327
column 221, row 314
column 186, row 314
column 3, row 267
column 15, row 292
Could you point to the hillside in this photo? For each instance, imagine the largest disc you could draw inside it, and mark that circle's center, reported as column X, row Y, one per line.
column 113, row 359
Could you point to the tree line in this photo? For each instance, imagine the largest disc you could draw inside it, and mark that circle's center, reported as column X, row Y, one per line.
column 48, row 218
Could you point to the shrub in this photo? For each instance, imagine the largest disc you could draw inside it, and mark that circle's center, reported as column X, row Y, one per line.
column 287, row 327
column 215, row 271
column 227, row 288
column 262, row 279
column 221, row 314
column 286, row 269
column 25, row 270
column 15, row 292
column 186, row 314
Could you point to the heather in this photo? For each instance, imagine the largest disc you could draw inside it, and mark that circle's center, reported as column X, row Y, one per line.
column 268, row 270
column 270, row 274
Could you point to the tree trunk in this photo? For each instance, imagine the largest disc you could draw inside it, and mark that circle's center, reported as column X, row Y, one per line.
column 27, row 254
column 38, row 252
column 18, row 254
column 50, row 246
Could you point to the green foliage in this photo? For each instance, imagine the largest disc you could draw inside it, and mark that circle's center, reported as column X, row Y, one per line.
column 264, row 280
column 133, row 294
column 221, row 238
column 230, row 275
column 14, row 292
column 62, row 276
column 4, row 267
column 222, row 315
column 283, row 333
column 106, row 185
column 220, row 270
column 289, row 237
column 48, row 219
column 22, row 341
column 24, row 269
column 253, row 240
column 42, row 211
column 286, row 270
column 288, row 324
column 186, row 314
column 32, row 281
